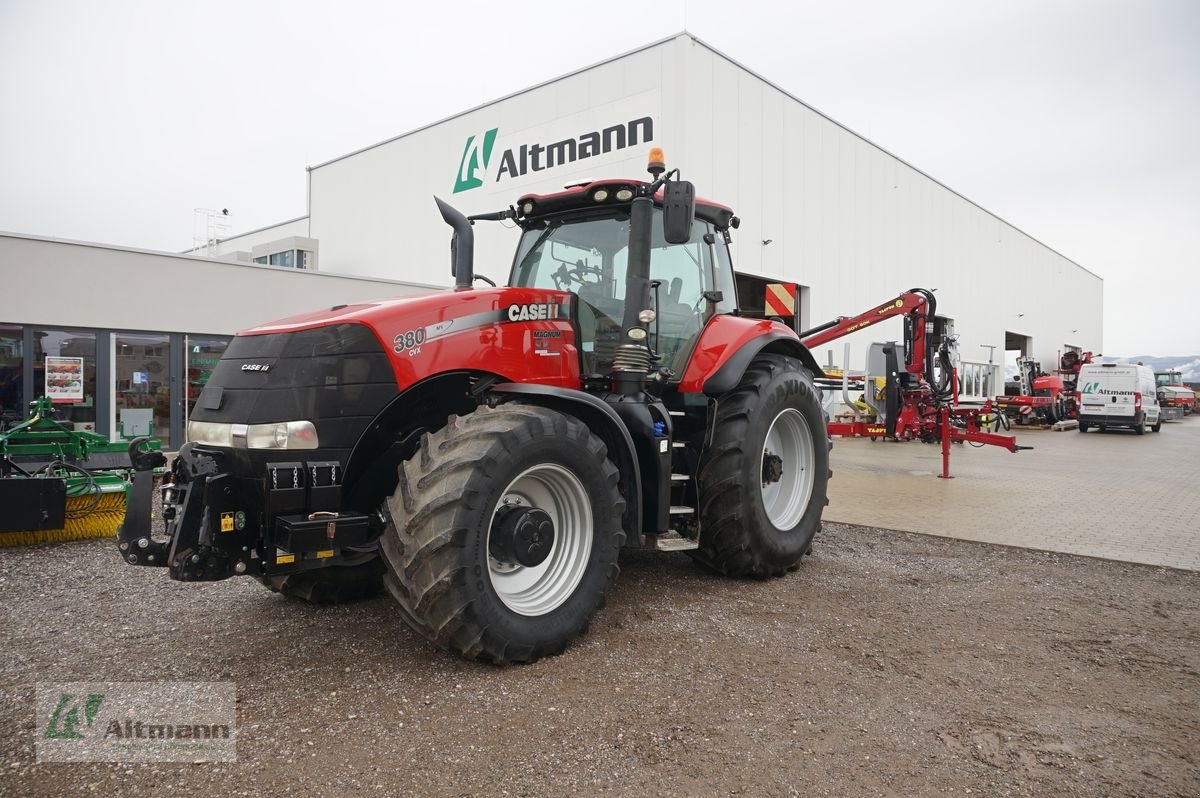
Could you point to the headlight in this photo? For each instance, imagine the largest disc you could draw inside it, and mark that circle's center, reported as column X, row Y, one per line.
column 600, row 195
column 210, row 432
column 624, row 195
column 281, row 435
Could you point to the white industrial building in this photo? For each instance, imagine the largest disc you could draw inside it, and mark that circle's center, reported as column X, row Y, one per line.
column 821, row 206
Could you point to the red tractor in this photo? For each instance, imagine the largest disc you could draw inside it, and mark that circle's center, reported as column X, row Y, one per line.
column 486, row 452
column 1174, row 395
column 1045, row 398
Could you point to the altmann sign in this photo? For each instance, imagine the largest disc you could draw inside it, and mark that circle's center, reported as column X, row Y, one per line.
column 480, row 163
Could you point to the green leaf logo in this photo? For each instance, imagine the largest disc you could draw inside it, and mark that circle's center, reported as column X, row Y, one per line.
column 63, row 727
column 475, row 157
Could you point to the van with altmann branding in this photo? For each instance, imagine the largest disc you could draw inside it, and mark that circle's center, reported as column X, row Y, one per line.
column 1118, row 395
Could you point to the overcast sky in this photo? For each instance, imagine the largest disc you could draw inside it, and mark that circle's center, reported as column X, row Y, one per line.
column 1078, row 121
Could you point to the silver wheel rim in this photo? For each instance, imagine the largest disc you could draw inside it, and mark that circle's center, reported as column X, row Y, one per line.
column 542, row 588
column 789, row 438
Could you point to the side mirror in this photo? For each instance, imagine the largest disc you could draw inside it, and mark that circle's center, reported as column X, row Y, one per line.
column 679, row 209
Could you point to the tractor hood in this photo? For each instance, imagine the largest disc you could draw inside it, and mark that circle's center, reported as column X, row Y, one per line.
column 374, row 311
column 485, row 330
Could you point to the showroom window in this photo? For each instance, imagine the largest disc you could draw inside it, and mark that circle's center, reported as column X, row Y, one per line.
column 201, row 354
column 12, row 378
column 142, row 385
column 64, row 368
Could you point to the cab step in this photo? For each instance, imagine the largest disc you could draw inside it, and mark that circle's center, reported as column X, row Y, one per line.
column 670, row 541
column 680, row 477
column 678, row 509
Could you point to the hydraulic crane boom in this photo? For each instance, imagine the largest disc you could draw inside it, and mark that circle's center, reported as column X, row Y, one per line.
column 917, row 405
column 917, row 305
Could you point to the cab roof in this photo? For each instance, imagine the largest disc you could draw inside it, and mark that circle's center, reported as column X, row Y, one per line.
column 581, row 196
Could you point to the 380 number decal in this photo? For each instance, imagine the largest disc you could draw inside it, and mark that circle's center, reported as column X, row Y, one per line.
column 409, row 340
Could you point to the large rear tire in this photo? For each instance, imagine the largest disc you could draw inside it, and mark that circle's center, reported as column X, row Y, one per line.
column 762, row 480
column 504, row 533
column 337, row 584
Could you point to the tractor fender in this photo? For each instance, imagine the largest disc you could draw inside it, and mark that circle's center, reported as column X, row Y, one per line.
column 728, row 345
column 604, row 422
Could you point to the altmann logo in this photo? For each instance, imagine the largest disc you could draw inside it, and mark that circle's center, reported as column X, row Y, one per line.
column 476, row 160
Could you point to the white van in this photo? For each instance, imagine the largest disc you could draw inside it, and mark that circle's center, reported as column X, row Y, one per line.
column 1118, row 395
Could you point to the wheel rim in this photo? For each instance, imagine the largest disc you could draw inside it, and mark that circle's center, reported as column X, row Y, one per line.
column 540, row 589
column 785, row 499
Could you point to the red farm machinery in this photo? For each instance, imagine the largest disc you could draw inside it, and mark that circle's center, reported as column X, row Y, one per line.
column 1175, row 397
column 910, row 390
column 1042, row 397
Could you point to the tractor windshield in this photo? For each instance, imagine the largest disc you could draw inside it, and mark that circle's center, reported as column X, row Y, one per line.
column 589, row 258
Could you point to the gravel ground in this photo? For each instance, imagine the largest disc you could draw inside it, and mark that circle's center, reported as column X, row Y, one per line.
column 889, row 664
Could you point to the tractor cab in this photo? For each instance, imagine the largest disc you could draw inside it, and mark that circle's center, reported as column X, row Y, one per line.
column 579, row 241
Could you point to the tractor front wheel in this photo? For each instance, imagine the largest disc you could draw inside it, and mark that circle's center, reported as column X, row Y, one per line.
column 762, row 480
column 504, row 533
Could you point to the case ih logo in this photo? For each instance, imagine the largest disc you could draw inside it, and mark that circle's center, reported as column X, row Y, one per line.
column 519, row 161
column 532, row 312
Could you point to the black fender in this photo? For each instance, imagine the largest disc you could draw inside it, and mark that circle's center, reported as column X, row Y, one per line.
column 604, row 422
column 779, row 343
column 394, row 433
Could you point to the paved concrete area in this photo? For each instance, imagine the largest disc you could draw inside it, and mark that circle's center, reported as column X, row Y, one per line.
column 1113, row 495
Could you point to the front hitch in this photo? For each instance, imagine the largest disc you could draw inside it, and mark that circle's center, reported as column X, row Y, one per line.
column 192, row 504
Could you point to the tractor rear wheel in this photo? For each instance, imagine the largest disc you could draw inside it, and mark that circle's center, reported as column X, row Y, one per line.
column 762, row 480
column 504, row 533
column 337, row 584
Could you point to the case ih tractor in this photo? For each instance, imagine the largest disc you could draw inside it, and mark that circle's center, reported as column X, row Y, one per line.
column 486, row 452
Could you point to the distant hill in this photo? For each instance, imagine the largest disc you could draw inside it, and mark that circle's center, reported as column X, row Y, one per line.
column 1188, row 364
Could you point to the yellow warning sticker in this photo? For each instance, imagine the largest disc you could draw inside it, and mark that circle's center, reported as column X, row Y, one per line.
column 324, row 554
column 226, row 522
column 284, row 559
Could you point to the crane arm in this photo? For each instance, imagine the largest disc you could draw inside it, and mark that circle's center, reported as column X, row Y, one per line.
column 917, row 305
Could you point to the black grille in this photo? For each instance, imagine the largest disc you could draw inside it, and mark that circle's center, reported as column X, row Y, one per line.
column 338, row 377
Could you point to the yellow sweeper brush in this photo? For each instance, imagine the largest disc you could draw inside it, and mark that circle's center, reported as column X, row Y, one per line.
column 86, row 517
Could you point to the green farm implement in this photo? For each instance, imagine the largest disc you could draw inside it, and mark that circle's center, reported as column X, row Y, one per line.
column 59, row 484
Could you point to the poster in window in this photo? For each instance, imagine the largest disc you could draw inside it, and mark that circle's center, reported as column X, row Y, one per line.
column 64, row 379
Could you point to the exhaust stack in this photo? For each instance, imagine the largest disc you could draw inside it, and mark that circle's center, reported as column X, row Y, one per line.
column 462, row 246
